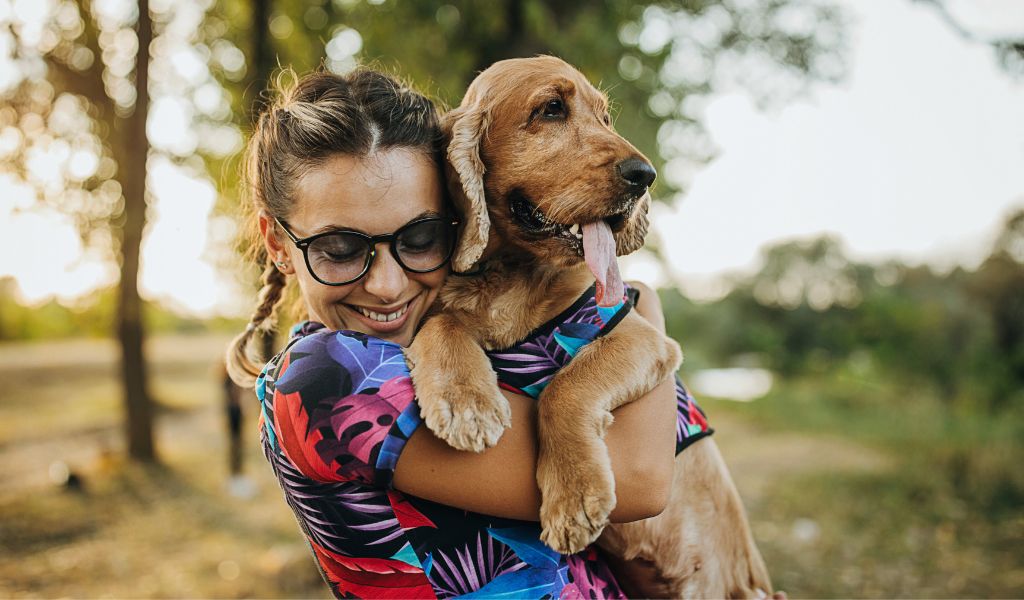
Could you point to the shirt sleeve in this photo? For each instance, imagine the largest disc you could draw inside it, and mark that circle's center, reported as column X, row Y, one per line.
column 342, row 407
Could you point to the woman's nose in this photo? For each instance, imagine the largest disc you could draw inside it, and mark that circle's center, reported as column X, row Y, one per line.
column 386, row 279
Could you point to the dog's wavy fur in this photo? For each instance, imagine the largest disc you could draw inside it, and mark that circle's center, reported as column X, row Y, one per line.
column 503, row 145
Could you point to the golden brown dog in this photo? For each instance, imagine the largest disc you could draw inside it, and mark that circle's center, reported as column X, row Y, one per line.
column 532, row 157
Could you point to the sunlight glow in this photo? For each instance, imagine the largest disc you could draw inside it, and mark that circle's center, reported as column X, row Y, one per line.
column 45, row 257
column 173, row 265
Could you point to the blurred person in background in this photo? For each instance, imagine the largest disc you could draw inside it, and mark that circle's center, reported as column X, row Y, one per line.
column 238, row 485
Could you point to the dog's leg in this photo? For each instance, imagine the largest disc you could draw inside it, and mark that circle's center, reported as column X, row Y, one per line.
column 573, row 468
column 699, row 547
column 455, row 385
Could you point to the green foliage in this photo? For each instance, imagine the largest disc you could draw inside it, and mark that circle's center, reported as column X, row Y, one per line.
column 92, row 316
column 811, row 310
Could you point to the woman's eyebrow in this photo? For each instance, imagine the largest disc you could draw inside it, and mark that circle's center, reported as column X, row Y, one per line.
column 423, row 215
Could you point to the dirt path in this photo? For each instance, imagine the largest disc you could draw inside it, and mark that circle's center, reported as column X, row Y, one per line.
column 758, row 458
column 62, row 403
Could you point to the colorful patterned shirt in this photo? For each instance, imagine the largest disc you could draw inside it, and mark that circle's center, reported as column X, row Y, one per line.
column 337, row 409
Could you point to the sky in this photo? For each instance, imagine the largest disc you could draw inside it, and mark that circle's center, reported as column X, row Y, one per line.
column 918, row 154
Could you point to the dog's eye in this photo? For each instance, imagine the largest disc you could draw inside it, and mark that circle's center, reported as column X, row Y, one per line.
column 554, row 109
column 607, row 119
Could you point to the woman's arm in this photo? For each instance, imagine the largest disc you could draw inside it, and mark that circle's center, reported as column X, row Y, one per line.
column 501, row 481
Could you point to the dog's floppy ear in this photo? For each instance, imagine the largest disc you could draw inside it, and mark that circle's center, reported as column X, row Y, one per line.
column 635, row 231
column 464, row 127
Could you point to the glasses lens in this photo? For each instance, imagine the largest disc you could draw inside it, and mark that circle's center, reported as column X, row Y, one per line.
column 338, row 258
column 426, row 245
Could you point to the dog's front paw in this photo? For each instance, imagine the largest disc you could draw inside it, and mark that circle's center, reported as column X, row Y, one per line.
column 576, row 504
column 468, row 415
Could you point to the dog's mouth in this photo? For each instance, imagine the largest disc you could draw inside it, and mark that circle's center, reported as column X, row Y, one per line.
column 535, row 222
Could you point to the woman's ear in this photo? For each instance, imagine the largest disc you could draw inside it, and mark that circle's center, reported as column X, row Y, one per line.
column 464, row 127
column 276, row 250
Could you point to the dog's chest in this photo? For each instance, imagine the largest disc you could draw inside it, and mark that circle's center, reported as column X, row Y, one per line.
column 528, row 365
column 504, row 306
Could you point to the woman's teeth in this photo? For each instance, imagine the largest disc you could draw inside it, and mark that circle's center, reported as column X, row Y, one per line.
column 381, row 317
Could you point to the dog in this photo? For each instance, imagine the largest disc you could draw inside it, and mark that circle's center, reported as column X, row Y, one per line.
column 549, row 195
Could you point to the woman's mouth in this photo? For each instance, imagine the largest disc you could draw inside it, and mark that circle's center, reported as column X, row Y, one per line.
column 383, row 320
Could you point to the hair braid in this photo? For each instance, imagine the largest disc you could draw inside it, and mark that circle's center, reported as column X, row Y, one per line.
column 241, row 366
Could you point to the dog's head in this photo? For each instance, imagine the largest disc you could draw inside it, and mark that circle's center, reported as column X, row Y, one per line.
column 533, row 160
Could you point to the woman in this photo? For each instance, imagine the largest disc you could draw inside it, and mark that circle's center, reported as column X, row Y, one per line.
column 347, row 194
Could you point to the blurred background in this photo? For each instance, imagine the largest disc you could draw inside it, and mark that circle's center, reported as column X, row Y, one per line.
column 839, row 245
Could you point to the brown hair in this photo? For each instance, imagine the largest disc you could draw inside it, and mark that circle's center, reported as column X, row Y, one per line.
column 318, row 116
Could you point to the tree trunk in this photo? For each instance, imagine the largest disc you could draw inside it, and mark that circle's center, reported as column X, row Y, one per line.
column 515, row 41
column 130, row 332
column 259, row 79
column 263, row 59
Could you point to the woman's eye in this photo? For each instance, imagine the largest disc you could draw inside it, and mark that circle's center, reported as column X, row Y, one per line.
column 336, row 250
column 417, row 243
column 341, row 256
column 554, row 109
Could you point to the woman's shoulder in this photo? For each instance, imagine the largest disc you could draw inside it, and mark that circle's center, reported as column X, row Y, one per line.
column 340, row 405
column 353, row 362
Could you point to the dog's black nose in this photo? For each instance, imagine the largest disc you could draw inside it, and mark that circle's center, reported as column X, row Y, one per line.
column 637, row 172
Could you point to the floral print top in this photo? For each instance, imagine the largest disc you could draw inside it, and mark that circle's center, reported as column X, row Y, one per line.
column 336, row 410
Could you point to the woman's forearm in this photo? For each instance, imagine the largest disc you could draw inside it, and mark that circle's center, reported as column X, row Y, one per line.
column 501, row 480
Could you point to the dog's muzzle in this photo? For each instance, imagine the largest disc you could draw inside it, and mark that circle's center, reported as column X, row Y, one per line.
column 534, row 222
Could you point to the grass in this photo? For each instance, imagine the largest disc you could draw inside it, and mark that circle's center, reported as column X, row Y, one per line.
column 854, row 489
column 941, row 516
column 136, row 531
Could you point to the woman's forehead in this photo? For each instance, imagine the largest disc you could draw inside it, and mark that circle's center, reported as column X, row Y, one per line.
column 375, row 194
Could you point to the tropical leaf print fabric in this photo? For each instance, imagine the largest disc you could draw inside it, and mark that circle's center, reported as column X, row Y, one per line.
column 337, row 408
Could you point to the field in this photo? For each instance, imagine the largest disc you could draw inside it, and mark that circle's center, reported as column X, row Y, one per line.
column 843, row 504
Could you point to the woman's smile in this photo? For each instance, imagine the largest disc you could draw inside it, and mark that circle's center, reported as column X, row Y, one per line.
column 383, row 320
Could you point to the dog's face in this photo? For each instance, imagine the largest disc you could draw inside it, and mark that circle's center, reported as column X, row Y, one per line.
column 534, row 138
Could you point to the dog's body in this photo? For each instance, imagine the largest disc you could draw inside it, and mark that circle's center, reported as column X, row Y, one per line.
column 543, row 136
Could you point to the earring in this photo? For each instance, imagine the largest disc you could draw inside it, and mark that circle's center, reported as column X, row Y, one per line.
column 281, row 264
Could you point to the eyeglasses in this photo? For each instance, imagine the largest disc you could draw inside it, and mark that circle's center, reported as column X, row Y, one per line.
column 342, row 256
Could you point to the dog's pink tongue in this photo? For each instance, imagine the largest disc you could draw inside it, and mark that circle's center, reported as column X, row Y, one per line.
column 599, row 252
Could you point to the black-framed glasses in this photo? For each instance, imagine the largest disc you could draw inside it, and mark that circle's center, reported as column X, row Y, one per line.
column 342, row 256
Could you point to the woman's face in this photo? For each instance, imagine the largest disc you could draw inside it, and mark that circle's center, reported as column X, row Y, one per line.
column 374, row 195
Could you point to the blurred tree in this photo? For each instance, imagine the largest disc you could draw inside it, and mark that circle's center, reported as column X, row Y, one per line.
column 811, row 310
column 81, row 108
column 998, row 285
column 1008, row 47
column 134, row 156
